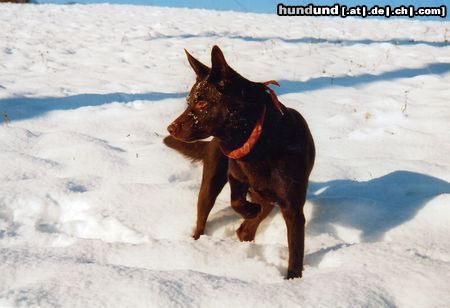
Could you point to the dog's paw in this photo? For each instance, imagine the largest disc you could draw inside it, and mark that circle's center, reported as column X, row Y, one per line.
column 245, row 232
column 291, row 274
column 197, row 235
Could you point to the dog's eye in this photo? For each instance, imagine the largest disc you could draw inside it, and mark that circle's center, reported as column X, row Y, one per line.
column 200, row 104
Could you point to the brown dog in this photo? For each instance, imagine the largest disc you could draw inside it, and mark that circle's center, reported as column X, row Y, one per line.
column 262, row 148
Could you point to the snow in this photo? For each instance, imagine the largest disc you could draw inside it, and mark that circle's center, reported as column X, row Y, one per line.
column 95, row 211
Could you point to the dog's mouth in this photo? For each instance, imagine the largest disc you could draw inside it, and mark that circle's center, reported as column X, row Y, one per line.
column 185, row 139
column 181, row 135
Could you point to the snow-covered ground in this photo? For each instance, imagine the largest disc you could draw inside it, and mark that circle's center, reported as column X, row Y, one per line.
column 95, row 211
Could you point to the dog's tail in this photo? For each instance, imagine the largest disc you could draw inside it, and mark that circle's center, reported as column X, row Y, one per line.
column 194, row 151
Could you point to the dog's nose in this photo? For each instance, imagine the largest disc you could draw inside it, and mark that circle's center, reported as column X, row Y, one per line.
column 172, row 128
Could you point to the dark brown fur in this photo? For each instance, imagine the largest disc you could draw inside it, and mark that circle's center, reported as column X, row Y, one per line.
column 225, row 105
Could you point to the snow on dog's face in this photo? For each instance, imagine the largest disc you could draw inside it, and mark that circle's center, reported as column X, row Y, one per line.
column 216, row 102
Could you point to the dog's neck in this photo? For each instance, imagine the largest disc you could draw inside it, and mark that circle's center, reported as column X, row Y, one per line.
column 252, row 139
column 238, row 140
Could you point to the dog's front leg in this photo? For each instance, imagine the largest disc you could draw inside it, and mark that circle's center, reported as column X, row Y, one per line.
column 239, row 202
column 246, row 232
column 213, row 180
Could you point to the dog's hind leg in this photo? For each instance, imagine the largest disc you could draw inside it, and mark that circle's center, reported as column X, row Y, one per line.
column 215, row 166
column 292, row 210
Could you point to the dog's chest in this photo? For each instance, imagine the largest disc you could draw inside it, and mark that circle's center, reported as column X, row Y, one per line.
column 258, row 175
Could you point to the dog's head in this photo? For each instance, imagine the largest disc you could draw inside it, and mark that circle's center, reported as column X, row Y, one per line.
column 220, row 100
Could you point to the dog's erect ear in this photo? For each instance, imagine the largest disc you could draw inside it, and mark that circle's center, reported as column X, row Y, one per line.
column 219, row 67
column 200, row 69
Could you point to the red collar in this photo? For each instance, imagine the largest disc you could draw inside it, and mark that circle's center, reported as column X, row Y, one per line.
column 257, row 130
column 251, row 141
column 272, row 93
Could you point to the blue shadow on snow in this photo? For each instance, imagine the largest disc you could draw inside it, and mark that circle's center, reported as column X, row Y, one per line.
column 20, row 108
column 290, row 86
column 305, row 40
column 373, row 207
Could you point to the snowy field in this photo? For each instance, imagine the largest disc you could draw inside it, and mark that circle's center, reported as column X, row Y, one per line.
column 96, row 212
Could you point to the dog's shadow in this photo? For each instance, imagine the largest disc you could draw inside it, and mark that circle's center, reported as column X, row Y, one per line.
column 370, row 208
column 373, row 207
